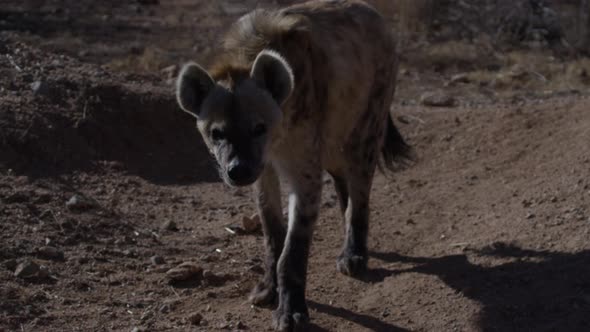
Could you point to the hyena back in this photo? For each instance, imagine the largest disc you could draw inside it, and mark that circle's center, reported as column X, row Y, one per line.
column 292, row 93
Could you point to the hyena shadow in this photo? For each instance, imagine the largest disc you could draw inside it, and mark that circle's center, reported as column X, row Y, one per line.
column 369, row 322
column 534, row 290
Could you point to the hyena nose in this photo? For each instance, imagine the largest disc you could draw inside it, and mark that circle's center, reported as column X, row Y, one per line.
column 238, row 171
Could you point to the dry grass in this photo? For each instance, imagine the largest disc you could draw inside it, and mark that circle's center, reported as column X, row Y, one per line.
column 533, row 72
column 151, row 59
column 410, row 15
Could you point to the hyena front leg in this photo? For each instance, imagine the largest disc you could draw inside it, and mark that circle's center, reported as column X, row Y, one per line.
column 268, row 200
column 304, row 201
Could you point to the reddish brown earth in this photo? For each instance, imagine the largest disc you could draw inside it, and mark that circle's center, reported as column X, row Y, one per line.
column 488, row 231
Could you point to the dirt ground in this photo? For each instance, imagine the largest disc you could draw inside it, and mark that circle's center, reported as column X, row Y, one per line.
column 105, row 186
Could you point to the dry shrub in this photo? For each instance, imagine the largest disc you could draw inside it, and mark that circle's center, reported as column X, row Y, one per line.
column 451, row 55
column 523, row 70
column 411, row 15
column 151, row 59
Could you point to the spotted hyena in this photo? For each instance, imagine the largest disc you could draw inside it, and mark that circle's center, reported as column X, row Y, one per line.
column 292, row 93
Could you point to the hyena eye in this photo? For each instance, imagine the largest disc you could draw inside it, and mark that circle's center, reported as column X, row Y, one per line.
column 217, row 134
column 259, row 130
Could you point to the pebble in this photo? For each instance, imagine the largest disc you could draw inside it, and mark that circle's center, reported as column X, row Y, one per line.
column 168, row 306
column 459, row 78
column 257, row 269
column 79, row 203
column 157, row 260
column 52, row 253
column 27, row 269
column 438, row 99
column 233, row 9
column 148, row 314
column 170, row 72
column 148, row 2
column 195, row 318
column 40, row 88
column 251, row 224
column 170, row 225
column 10, row 264
column 184, row 271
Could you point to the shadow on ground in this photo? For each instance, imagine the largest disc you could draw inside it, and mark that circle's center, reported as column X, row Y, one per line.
column 109, row 128
column 366, row 321
column 535, row 291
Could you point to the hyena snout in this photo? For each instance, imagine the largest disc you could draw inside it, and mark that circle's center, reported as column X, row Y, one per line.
column 241, row 172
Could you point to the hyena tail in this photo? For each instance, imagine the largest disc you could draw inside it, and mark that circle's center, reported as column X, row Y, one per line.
column 395, row 152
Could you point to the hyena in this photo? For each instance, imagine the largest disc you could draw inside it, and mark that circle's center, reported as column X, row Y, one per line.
column 292, row 93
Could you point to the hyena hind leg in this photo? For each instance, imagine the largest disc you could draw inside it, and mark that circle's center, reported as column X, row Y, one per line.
column 353, row 258
column 354, row 189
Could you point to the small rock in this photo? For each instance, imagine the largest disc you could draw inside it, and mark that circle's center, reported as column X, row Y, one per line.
column 57, row 63
column 10, row 264
column 437, row 99
column 530, row 215
column 148, row 2
column 208, row 274
column 257, row 269
column 170, row 225
column 251, row 224
column 49, row 252
column 40, row 88
column 403, row 119
column 170, row 72
column 79, row 203
column 195, row 318
column 216, row 279
column 43, row 272
column 184, row 271
column 168, row 306
column 233, row 9
column 459, row 78
column 157, row 260
column 27, row 269
column 148, row 314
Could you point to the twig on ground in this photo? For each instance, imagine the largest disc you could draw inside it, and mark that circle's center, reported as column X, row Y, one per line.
column 13, row 63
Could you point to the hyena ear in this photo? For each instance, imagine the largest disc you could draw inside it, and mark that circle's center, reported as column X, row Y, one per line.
column 192, row 87
column 272, row 72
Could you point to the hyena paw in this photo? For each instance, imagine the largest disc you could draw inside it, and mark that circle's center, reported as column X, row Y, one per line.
column 264, row 294
column 352, row 265
column 285, row 320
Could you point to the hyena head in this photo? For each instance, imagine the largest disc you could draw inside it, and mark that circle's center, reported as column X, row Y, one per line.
column 238, row 117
